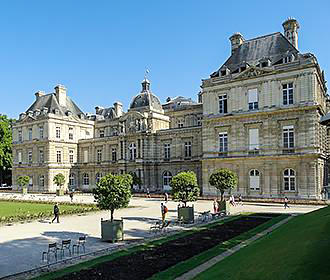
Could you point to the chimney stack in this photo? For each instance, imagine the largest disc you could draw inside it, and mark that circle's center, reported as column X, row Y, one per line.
column 291, row 27
column 39, row 94
column 236, row 40
column 118, row 109
column 60, row 92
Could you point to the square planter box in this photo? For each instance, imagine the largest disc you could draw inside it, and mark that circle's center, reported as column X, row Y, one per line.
column 59, row 192
column 112, row 231
column 186, row 214
column 224, row 207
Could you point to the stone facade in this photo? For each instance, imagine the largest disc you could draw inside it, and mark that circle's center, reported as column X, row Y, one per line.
column 257, row 115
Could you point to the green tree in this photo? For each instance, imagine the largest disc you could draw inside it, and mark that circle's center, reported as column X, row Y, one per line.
column 136, row 181
column 6, row 159
column 223, row 179
column 59, row 180
column 184, row 187
column 113, row 192
column 23, row 181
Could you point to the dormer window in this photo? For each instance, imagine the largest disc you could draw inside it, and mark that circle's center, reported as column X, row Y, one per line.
column 224, row 71
column 243, row 68
column 287, row 59
column 264, row 62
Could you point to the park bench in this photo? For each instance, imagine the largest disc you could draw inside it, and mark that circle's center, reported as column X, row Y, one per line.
column 204, row 216
column 65, row 245
column 80, row 244
column 52, row 249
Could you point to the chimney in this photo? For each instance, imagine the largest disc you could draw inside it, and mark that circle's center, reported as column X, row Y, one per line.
column 118, row 109
column 39, row 94
column 98, row 110
column 60, row 92
column 291, row 27
column 236, row 40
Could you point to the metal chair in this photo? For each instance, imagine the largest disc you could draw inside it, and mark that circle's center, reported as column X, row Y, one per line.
column 52, row 249
column 66, row 245
column 80, row 243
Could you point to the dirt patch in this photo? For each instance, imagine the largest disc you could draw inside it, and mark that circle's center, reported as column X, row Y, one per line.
column 144, row 264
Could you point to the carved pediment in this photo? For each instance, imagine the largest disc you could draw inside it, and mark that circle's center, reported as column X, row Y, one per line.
column 252, row 72
column 132, row 122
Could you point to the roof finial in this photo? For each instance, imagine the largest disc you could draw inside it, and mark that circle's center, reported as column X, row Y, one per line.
column 146, row 73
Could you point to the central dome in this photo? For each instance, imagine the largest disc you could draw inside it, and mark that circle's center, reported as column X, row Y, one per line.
column 146, row 98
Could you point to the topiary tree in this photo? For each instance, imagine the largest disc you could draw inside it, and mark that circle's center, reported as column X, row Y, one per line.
column 23, row 181
column 113, row 192
column 59, row 180
column 184, row 187
column 223, row 179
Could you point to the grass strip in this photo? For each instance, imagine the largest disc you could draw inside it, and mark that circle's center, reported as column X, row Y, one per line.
column 298, row 249
column 124, row 252
column 185, row 266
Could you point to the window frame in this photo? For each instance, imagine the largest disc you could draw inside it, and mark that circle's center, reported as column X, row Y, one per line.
column 223, row 103
column 254, row 173
column 288, row 93
column 289, row 180
column 223, row 144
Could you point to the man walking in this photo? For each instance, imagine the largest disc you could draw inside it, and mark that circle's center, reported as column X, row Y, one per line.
column 56, row 213
column 286, row 201
column 166, row 197
column 163, row 210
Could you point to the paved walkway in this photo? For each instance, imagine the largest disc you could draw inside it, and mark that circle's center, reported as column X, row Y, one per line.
column 21, row 244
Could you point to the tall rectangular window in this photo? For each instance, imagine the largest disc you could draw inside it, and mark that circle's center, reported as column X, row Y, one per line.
column 180, row 123
column 288, row 139
column 287, row 93
column 223, row 104
column 253, row 99
column 20, row 138
column 19, row 157
column 71, row 156
column 58, row 156
column 114, row 154
column 253, row 140
column 99, row 155
column 70, row 133
column 121, row 149
column 139, row 148
column 58, row 132
column 187, row 149
column 30, row 133
column 85, row 156
column 41, row 156
column 29, row 156
column 101, row 133
column 223, row 144
column 167, row 151
column 41, row 132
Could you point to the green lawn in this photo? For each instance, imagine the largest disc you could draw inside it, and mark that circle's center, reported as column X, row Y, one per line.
column 296, row 250
column 18, row 211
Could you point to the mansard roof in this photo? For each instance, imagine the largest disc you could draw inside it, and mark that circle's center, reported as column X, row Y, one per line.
column 273, row 47
column 50, row 102
column 146, row 99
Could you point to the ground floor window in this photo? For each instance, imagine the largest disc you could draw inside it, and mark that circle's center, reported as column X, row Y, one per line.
column 86, row 179
column 289, row 178
column 167, row 176
column 98, row 177
column 254, row 179
column 72, row 180
column 42, row 181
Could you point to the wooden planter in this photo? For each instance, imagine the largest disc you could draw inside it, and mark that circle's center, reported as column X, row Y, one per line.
column 223, row 206
column 59, row 192
column 186, row 214
column 112, row 231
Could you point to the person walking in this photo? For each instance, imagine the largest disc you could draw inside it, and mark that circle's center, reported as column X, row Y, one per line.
column 166, row 197
column 56, row 213
column 286, row 202
column 163, row 210
column 148, row 193
column 240, row 200
column 71, row 196
column 215, row 206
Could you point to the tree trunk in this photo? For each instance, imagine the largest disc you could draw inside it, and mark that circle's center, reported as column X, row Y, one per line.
column 221, row 193
column 111, row 212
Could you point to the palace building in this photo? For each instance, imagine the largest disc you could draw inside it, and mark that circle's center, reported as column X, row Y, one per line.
column 258, row 115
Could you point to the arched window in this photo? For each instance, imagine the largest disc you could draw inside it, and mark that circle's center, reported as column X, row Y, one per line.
column 41, row 180
column 132, row 151
column 86, row 179
column 254, row 179
column 167, row 176
column 72, row 180
column 98, row 177
column 289, row 178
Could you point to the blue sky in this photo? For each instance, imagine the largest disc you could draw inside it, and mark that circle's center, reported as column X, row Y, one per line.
column 99, row 49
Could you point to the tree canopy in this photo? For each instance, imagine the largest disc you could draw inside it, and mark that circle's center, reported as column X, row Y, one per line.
column 6, row 159
column 184, row 187
column 113, row 192
column 223, row 179
column 59, row 180
column 23, row 180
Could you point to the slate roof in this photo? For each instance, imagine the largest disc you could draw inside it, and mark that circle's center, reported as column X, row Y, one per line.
column 50, row 101
column 144, row 99
column 273, row 46
column 107, row 113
